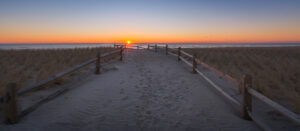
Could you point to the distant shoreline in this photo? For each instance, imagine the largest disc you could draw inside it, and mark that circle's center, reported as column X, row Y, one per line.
column 254, row 43
column 171, row 45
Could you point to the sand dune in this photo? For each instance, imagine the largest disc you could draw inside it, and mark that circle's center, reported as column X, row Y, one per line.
column 148, row 91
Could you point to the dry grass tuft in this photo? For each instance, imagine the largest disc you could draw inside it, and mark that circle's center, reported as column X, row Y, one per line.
column 275, row 70
column 26, row 67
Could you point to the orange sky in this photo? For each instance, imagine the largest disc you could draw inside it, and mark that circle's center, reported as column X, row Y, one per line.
column 20, row 35
column 149, row 21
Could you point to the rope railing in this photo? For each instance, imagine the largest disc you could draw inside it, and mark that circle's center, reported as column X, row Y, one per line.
column 245, row 86
column 9, row 101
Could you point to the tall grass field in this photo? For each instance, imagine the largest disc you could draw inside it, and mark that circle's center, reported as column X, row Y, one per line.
column 29, row 66
column 275, row 70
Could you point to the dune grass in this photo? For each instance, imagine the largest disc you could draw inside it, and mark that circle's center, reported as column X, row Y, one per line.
column 275, row 70
column 26, row 67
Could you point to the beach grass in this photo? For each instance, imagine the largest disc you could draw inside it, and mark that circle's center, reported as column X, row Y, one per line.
column 275, row 70
column 29, row 66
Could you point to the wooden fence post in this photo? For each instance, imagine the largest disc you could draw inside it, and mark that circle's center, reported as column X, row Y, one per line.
column 155, row 47
column 246, row 97
column 166, row 49
column 179, row 53
column 98, row 63
column 194, row 64
column 121, row 54
column 10, row 105
column 148, row 47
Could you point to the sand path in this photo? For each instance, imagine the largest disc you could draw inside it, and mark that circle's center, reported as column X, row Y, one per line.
column 149, row 91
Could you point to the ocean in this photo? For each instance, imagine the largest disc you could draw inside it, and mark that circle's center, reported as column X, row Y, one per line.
column 66, row 46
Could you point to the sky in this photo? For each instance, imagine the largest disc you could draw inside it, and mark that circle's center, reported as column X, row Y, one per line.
column 149, row 21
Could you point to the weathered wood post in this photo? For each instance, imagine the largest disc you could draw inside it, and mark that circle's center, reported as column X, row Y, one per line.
column 10, row 105
column 148, row 47
column 166, row 49
column 246, row 98
column 155, row 47
column 179, row 53
column 194, row 63
column 98, row 63
column 240, row 86
column 121, row 54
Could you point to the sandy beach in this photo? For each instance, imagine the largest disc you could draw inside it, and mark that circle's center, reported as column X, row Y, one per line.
column 150, row 65
column 30, row 66
column 275, row 70
column 147, row 91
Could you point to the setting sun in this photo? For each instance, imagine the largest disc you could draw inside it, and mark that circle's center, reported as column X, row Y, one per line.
column 128, row 42
column 150, row 64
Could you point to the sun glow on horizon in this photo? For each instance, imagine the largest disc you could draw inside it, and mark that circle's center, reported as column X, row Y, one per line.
column 128, row 42
column 168, row 21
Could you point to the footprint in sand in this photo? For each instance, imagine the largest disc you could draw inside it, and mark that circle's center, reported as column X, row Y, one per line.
column 107, row 103
column 148, row 112
column 168, row 106
column 166, row 71
column 122, row 91
column 183, row 81
column 125, row 98
column 178, row 124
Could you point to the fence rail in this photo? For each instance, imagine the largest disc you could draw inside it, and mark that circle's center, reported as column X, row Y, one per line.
column 61, row 74
column 9, row 101
column 244, row 85
column 138, row 47
column 186, row 54
column 185, row 61
column 289, row 114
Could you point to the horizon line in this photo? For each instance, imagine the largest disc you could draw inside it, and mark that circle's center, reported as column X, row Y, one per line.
column 287, row 42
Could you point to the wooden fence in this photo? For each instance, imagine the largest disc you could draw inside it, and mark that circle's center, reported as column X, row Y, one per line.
column 9, row 101
column 128, row 47
column 244, row 86
column 137, row 47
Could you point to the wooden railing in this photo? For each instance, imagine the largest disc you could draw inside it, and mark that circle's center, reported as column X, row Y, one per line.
column 244, row 86
column 152, row 46
column 138, row 47
column 118, row 45
column 9, row 101
column 128, row 47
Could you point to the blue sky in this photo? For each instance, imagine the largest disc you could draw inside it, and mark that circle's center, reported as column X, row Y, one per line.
column 141, row 20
